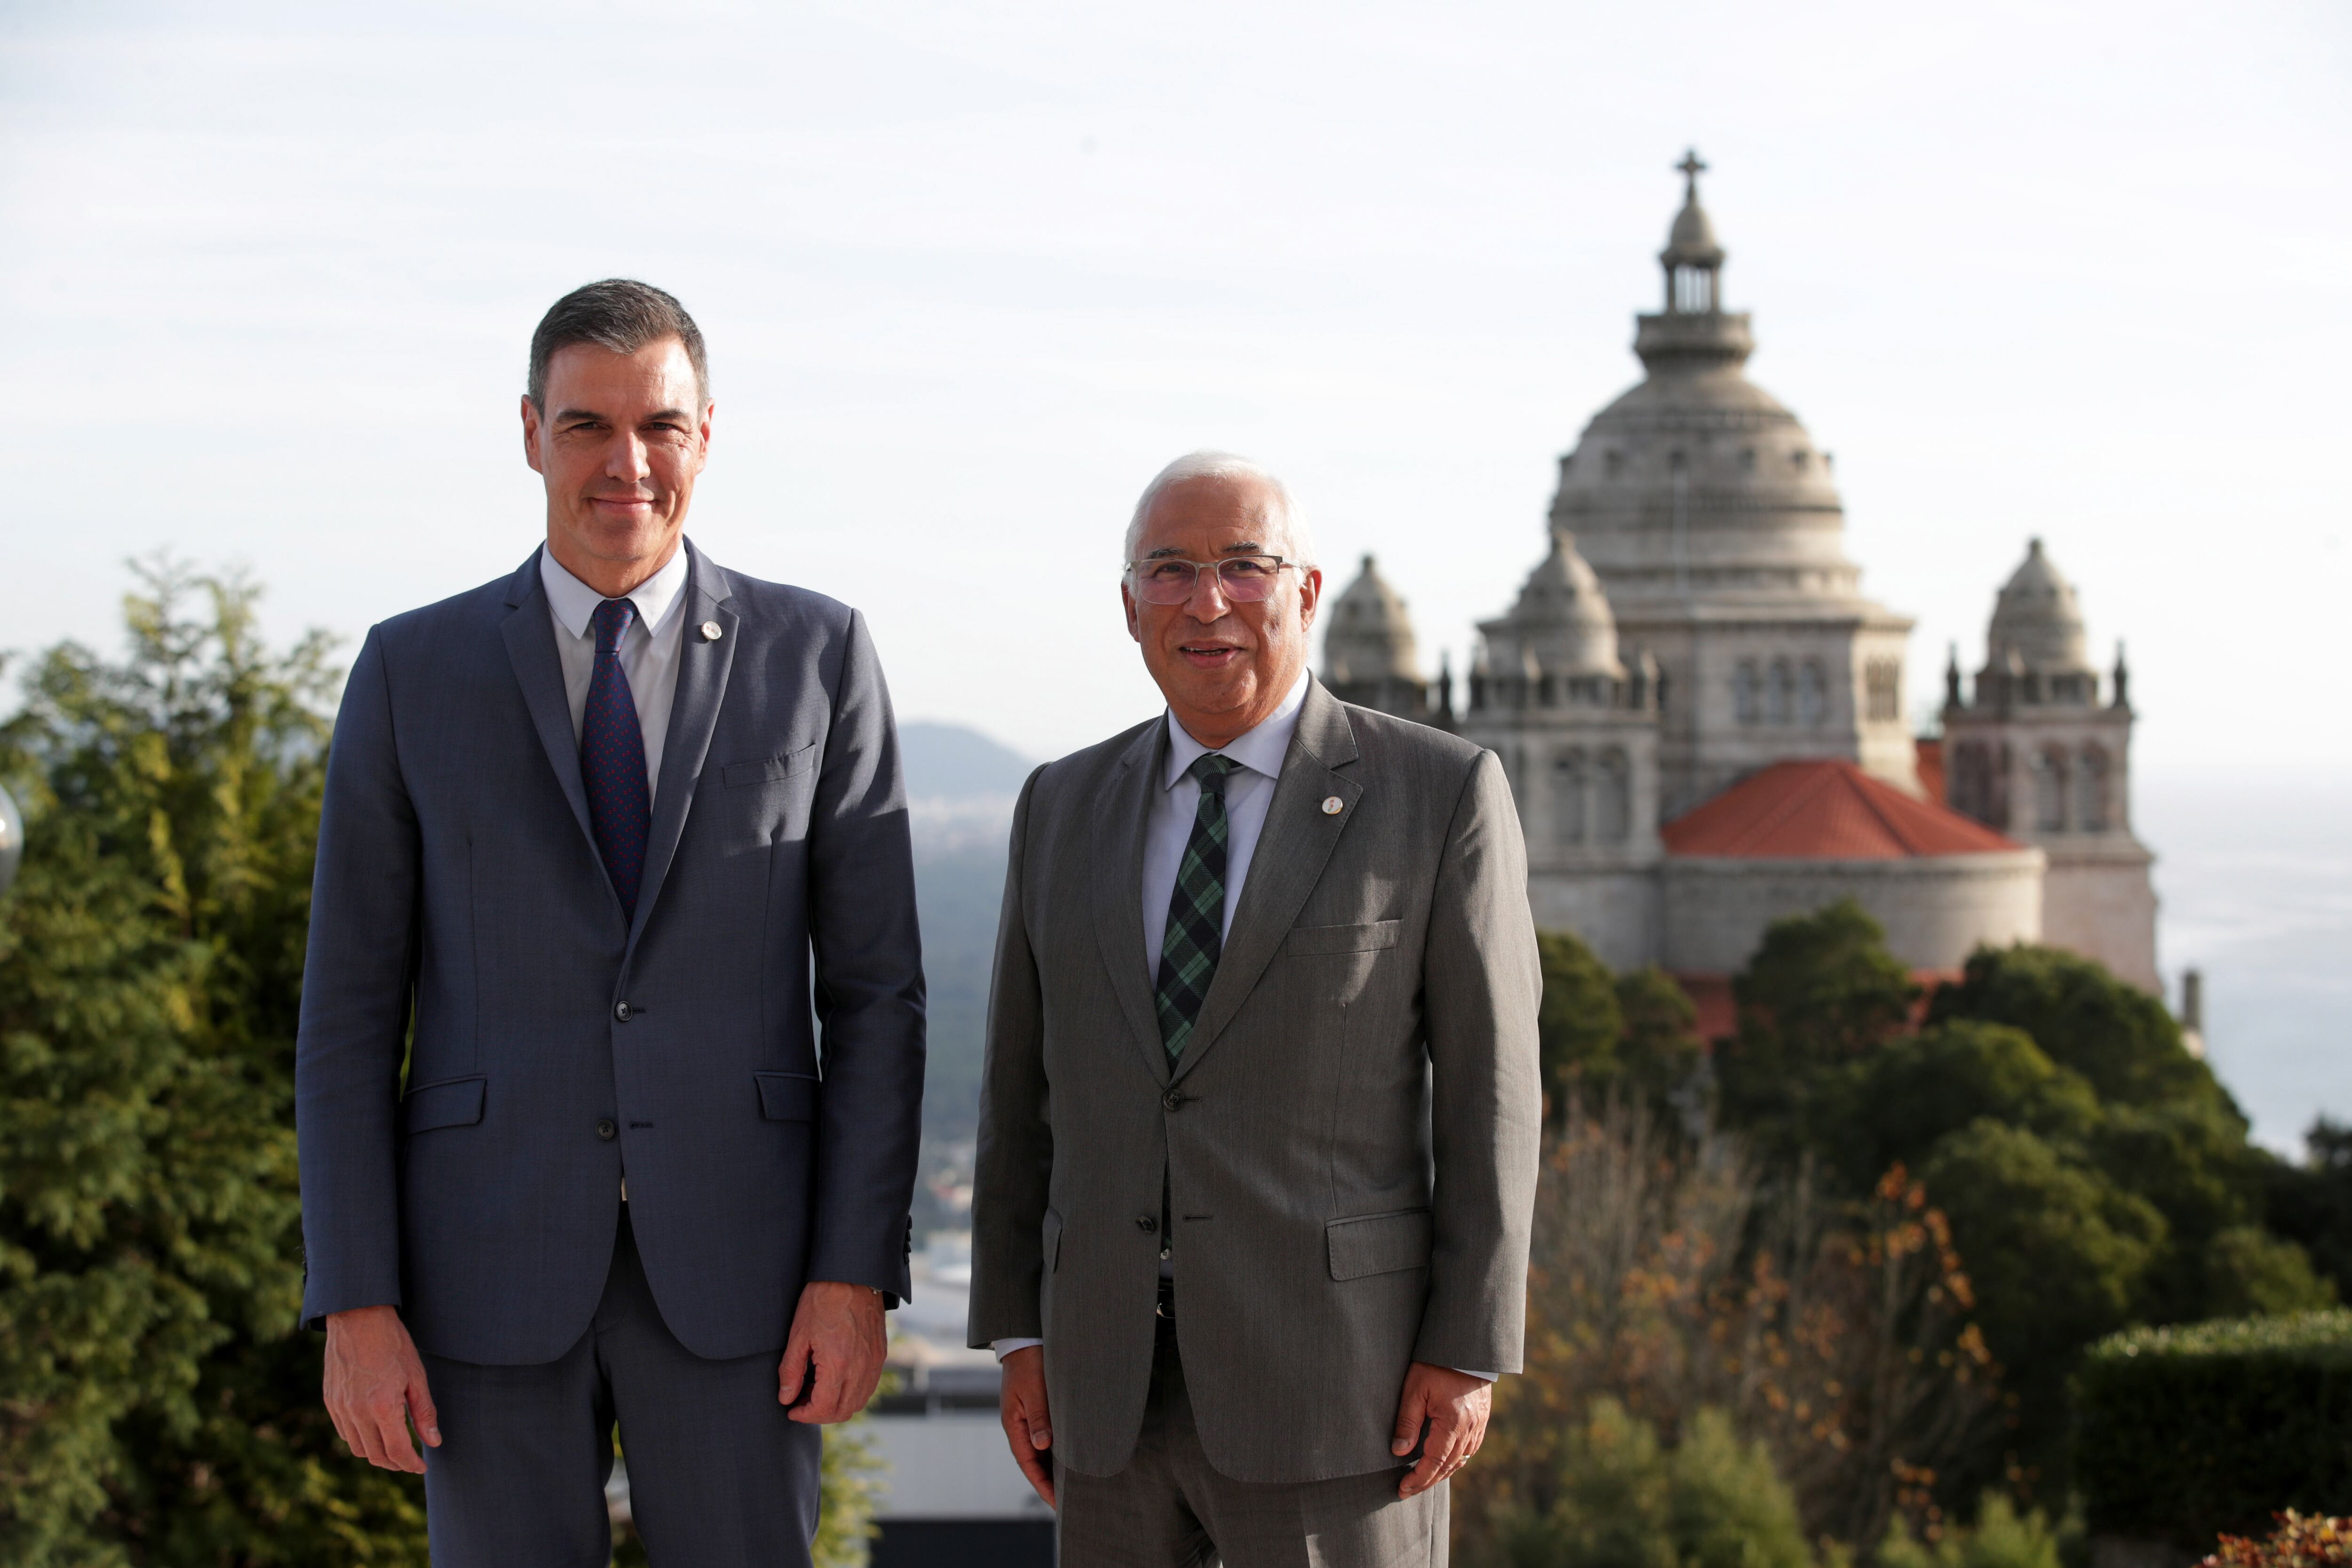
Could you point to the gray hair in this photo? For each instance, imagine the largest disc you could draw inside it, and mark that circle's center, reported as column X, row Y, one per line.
column 620, row 314
column 1299, row 544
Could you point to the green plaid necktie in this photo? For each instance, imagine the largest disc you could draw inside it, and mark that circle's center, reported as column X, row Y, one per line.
column 1196, row 910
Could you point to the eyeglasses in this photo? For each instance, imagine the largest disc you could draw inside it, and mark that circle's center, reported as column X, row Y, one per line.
column 1244, row 579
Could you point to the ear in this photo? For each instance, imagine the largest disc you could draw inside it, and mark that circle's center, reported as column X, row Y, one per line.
column 1134, row 624
column 531, row 435
column 1310, row 595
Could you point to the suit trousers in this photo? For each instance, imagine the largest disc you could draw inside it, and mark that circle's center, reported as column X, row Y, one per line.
column 1170, row 1509
column 719, row 1478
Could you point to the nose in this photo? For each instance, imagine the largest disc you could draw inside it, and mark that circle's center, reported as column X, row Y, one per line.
column 1208, row 601
column 626, row 458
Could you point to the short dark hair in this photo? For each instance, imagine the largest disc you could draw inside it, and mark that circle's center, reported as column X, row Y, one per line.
column 620, row 314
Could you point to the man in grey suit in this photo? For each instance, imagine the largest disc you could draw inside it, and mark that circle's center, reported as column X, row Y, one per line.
column 1257, row 1142
column 594, row 835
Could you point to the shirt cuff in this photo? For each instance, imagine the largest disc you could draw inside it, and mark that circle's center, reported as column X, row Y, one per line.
column 1006, row 1347
column 1482, row 1376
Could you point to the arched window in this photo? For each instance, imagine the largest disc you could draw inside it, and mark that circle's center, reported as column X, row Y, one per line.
column 2091, row 791
column 1567, row 788
column 1747, row 696
column 1882, row 682
column 1616, row 803
column 2050, row 790
column 1777, row 693
column 1812, row 694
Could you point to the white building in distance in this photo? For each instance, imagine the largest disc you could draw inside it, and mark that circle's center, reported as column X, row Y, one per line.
column 1702, row 715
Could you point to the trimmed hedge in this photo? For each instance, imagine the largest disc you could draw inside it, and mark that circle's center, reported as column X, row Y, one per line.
column 2191, row 1431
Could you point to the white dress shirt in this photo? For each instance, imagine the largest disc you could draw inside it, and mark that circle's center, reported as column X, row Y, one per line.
column 650, row 649
column 1249, row 790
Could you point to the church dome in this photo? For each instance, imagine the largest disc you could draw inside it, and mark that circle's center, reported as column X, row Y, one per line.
column 1562, row 625
column 1699, row 486
column 2037, row 623
column 1369, row 635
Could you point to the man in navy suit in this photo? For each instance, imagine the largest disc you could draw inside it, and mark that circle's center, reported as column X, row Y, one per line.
column 596, row 836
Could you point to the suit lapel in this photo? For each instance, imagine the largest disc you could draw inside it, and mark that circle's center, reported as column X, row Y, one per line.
column 1293, row 848
column 530, row 632
column 1118, row 863
column 702, row 670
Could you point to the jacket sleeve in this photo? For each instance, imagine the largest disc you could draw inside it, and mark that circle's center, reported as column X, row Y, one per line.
column 1016, row 1139
column 870, row 986
column 356, row 989
column 1481, row 987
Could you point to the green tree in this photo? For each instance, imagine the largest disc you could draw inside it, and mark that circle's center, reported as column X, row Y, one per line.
column 162, row 1406
column 1659, row 1044
column 1895, row 1104
column 2116, row 1035
column 1578, row 1022
column 2312, row 1202
column 1820, row 993
column 1625, row 1500
column 2167, row 1130
column 1601, row 1033
column 2001, row 1538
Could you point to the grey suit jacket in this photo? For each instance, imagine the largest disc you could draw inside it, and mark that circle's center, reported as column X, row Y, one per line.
column 1349, row 1140
column 458, row 891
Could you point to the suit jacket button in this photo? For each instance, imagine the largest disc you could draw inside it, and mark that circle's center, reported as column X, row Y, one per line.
column 622, row 1010
column 1146, row 1224
column 1172, row 1101
column 607, row 1132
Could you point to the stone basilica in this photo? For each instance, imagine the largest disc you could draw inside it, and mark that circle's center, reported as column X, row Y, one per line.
column 1703, row 717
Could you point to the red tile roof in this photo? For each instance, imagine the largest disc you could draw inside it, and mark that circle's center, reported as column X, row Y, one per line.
column 1825, row 810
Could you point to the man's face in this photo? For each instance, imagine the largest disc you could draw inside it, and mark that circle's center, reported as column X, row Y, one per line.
column 1223, row 666
column 621, row 442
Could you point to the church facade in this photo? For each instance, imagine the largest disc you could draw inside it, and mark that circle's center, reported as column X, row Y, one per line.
column 1702, row 715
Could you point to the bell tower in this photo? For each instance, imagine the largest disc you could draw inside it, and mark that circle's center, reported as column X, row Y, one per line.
column 2040, row 752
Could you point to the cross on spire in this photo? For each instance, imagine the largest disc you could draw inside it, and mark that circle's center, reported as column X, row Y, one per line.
column 1691, row 170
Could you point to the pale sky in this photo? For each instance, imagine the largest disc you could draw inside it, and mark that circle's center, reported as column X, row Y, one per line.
column 970, row 274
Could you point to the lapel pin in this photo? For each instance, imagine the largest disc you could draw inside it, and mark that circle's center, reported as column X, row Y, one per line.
column 1331, row 805
column 711, row 631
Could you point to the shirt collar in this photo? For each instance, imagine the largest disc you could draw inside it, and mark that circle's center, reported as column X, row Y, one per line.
column 1260, row 750
column 574, row 602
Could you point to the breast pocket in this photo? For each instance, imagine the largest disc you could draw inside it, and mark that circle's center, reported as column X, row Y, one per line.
column 1371, row 936
column 754, row 771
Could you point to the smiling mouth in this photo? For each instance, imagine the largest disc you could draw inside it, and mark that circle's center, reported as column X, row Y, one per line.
column 1210, row 653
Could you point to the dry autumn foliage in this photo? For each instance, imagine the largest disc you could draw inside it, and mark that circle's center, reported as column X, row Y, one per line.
column 1666, row 1277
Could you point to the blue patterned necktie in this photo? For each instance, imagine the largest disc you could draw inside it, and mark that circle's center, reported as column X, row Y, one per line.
column 1196, row 910
column 612, row 759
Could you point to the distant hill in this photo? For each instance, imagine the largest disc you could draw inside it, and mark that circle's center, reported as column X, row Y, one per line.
column 960, row 788
column 948, row 761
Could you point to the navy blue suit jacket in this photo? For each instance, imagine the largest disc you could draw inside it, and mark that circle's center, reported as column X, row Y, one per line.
column 462, row 918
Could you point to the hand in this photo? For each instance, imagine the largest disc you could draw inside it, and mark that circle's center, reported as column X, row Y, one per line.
column 374, row 1386
column 839, row 1327
column 1027, row 1426
column 1455, row 1406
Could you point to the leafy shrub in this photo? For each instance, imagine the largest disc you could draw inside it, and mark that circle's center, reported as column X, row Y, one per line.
column 2192, row 1431
column 1624, row 1500
column 2003, row 1538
